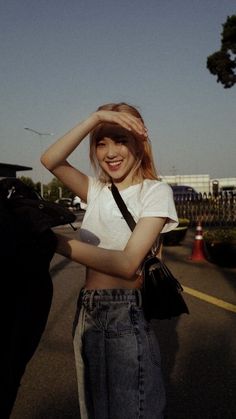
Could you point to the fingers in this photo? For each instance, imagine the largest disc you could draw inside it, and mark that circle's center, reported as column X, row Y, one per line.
column 134, row 124
column 125, row 120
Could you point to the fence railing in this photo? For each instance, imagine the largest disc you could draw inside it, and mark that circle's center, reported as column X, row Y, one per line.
column 211, row 210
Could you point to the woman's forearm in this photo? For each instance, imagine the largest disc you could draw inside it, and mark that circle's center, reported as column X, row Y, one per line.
column 64, row 146
column 111, row 262
column 122, row 263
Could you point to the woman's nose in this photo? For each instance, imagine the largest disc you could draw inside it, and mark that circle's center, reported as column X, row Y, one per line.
column 111, row 150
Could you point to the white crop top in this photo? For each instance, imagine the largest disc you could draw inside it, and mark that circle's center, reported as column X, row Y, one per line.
column 103, row 224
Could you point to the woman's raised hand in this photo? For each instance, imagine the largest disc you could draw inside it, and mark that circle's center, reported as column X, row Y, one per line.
column 124, row 119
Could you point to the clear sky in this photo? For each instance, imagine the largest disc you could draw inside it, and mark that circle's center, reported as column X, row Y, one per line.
column 61, row 59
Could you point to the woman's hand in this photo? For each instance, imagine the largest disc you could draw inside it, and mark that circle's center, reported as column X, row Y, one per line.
column 124, row 119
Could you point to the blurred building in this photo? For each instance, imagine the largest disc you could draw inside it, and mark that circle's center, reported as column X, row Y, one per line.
column 201, row 183
column 10, row 170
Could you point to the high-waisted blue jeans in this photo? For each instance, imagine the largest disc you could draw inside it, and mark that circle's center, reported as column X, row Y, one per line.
column 117, row 357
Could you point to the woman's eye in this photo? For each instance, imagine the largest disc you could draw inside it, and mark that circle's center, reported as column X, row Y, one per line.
column 100, row 144
column 121, row 140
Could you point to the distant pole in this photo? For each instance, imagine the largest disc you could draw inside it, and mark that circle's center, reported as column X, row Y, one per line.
column 40, row 134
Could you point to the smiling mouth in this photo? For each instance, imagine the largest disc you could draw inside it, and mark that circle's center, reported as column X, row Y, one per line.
column 114, row 165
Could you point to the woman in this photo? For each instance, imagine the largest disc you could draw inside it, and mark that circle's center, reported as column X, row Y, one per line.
column 117, row 354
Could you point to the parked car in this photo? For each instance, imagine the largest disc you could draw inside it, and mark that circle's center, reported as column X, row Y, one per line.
column 184, row 190
column 73, row 204
column 65, row 202
column 78, row 203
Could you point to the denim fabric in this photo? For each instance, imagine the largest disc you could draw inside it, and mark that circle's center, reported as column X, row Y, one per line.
column 117, row 357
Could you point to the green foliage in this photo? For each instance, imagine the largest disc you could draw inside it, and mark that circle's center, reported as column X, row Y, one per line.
column 183, row 222
column 52, row 191
column 222, row 63
column 220, row 235
column 28, row 181
column 58, row 190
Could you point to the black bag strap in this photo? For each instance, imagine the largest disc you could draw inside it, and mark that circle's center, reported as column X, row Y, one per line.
column 122, row 207
column 125, row 212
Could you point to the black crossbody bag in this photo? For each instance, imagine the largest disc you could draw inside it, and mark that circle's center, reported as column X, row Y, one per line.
column 161, row 291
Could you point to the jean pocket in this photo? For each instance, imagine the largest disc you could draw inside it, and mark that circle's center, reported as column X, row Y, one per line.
column 97, row 319
column 118, row 321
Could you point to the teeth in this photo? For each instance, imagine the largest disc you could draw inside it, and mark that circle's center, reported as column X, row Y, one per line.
column 116, row 163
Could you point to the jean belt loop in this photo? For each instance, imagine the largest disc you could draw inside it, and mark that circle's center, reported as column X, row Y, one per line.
column 91, row 300
column 139, row 299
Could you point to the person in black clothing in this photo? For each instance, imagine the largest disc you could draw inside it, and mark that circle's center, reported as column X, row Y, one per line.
column 27, row 246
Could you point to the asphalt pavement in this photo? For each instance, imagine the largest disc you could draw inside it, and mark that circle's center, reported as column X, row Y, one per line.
column 198, row 350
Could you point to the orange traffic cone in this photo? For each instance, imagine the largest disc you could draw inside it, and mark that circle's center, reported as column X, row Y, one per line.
column 198, row 251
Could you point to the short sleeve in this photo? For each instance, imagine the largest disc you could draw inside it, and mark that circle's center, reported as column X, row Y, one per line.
column 94, row 187
column 158, row 201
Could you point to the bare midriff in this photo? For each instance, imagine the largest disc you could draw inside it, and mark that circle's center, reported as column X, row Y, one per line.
column 98, row 280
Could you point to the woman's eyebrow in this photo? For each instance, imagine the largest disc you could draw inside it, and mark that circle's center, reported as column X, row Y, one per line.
column 119, row 136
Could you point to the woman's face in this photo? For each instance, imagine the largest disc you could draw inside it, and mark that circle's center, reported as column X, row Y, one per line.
column 115, row 155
